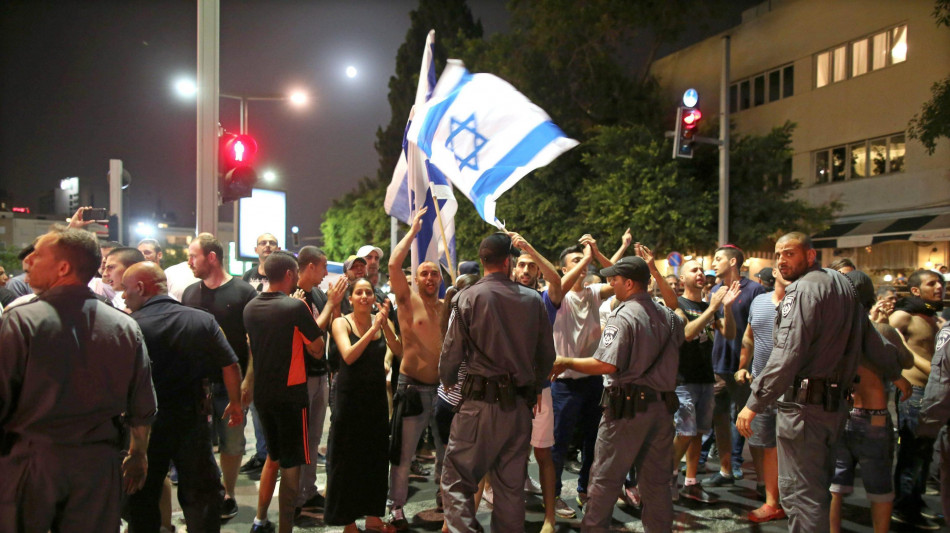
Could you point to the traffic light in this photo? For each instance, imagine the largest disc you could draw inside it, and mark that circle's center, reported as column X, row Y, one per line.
column 687, row 118
column 236, row 166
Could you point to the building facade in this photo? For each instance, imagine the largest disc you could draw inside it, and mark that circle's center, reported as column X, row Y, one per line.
column 850, row 74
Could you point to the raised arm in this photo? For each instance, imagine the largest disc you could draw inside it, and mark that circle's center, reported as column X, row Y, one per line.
column 397, row 279
column 728, row 325
column 332, row 309
column 601, row 258
column 669, row 295
column 555, row 288
column 574, row 273
column 624, row 244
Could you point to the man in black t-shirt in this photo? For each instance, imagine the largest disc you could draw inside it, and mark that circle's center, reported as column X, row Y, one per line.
column 224, row 297
column 266, row 245
column 695, row 380
column 282, row 334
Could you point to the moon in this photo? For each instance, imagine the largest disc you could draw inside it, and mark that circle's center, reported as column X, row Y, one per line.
column 351, row 71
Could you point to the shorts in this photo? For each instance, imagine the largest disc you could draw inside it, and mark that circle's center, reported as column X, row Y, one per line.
column 285, row 430
column 231, row 440
column 867, row 440
column 542, row 425
column 763, row 428
column 695, row 414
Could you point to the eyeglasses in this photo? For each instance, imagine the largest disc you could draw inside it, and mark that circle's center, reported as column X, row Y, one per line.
column 267, row 243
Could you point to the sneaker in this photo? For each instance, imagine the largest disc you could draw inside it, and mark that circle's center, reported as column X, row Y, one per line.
column 581, row 499
column 927, row 512
column 766, row 513
column 266, row 527
column 737, row 472
column 254, row 464
column 317, row 501
column 562, row 509
column 321, row 459
column 631, row 497
column 229, row 509
column 718, row 480
column 398, row 519
column 488, row 496
column 698, row 493
column 531, row 485
column 573, row 467
column 917, row 520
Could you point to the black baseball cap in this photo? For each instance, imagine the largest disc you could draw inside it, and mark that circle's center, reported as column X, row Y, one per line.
column 766, row 275
column 631, row 267
column 468, row 267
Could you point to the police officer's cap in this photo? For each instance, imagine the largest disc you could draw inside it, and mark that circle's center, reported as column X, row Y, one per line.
column 496, row 247
column 632, row 267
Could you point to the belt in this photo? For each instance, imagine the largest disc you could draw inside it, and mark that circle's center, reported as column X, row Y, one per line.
column 811, row 391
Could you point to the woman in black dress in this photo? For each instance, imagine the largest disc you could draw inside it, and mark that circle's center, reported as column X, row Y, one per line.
column 357, row 457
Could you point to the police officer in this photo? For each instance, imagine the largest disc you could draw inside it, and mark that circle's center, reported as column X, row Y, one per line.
column 502, row 329
column 809, row 372
column 935, row 410
column 639, row 353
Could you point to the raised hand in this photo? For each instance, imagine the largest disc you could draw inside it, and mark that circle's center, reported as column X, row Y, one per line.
column 417, row 220
column 627, row 238
column 730, row 295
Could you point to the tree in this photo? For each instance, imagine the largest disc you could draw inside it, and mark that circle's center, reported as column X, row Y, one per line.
column 933, row 121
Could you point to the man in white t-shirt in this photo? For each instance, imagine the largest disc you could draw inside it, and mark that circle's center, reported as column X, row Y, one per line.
column 576, row 396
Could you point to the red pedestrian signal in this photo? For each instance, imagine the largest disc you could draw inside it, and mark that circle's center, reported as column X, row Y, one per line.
column 237, row 176
column 687, row 119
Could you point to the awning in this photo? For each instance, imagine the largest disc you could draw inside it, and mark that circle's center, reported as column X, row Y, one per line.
column 860, row 234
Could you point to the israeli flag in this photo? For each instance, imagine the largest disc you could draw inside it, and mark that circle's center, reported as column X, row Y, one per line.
column 397, row 203
column 484, row 135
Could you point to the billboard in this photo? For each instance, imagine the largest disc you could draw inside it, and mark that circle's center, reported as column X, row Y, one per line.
column 264, row 212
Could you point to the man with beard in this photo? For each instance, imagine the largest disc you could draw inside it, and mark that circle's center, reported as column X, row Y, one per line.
column 818, row 339
column 916, row 318
column 419, row 313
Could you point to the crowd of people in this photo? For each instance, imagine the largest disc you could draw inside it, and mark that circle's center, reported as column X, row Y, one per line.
column 117, row 374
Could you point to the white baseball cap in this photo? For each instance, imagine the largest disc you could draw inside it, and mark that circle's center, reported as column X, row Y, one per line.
column 367, row 249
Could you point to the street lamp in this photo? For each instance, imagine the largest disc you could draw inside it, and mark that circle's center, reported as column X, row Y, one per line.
column 269, row 176
column 296, row 98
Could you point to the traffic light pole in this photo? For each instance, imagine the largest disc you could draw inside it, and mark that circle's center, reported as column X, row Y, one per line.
column 724, row 145
column 206, row 205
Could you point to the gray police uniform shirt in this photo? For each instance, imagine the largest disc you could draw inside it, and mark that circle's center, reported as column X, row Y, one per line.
column 510, row 326
column 71, row 364
column 935, row 407
column 633, row 336
column 812, row 338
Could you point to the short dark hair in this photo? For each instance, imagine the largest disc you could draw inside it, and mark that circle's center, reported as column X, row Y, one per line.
column 733, row 252
column 27, row 250
column 210, row 244
column 917, row 278
column 110, row 244
column 127, row 255
column 842, row 263
column 308, row 255
column 572, row 249
column 277, row 264
column 802, row 239
column 883, row 290
column 152, row 242
column 80, row 249
column 495, row 248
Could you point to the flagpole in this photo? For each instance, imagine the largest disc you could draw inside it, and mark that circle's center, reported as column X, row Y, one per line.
column 445, row 241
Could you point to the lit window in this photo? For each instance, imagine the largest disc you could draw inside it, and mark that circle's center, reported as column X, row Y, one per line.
column 895, row 152
column 840, row 64
column 879, row 49
column 899, row 44
column 838, row 167
column 859, row 160
column 859, row 58
column 822, row 69
column 878, row 157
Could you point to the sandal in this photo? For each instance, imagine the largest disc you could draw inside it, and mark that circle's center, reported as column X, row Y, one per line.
column 380, row 527
column 766, row 513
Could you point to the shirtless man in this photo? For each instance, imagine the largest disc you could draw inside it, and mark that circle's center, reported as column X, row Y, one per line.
column 868, row 437
column 419, row 313
column 916, row 318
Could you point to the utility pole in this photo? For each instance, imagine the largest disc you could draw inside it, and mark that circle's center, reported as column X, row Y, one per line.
column 724, row 145
column 206, row 206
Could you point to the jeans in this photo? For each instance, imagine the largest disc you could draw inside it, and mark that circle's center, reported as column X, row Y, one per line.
column 412, row 428
column 576, row 401
column 913, row 457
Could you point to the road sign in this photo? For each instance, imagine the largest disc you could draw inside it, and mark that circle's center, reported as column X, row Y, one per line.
column 675, row 259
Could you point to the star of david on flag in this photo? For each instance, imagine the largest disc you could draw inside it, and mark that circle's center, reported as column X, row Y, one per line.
column 483, row 135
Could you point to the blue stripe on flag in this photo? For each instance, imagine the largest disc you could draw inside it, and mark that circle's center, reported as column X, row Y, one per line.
column 542, row 135
column 432, row 119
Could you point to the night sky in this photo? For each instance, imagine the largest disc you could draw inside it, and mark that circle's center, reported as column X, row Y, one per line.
column 85, row 82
